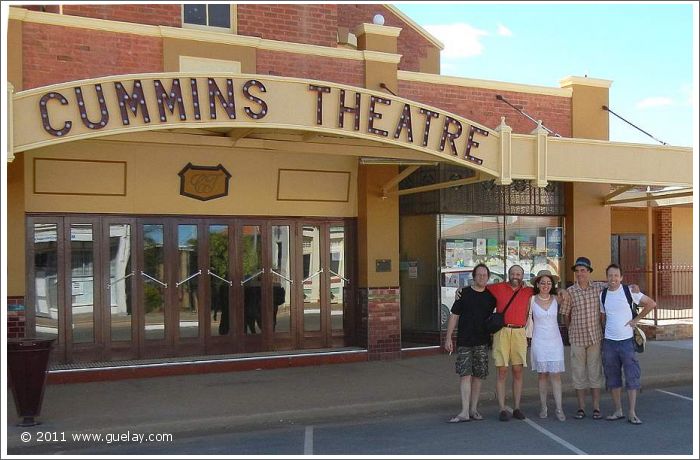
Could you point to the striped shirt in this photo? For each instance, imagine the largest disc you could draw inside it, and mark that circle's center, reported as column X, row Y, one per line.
column 584, row 307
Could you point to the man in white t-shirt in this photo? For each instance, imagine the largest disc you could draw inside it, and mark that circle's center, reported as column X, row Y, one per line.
column 618, row 346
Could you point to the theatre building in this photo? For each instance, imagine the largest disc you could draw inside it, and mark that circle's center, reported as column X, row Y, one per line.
column 206, row 183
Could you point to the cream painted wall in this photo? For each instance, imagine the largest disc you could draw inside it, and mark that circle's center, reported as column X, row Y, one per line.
column 153, row 184
column 682, row 236
column 377, row 227
column 16, row 263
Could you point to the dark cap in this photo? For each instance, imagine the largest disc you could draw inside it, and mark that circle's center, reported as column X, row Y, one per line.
column 584, row 262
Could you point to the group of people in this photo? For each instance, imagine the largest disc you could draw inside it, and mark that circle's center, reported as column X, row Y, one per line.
column 600, row 320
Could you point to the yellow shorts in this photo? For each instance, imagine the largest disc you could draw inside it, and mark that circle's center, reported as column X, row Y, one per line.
column 510, row 347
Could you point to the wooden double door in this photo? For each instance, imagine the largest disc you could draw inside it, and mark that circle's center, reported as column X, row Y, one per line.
column 111, row 288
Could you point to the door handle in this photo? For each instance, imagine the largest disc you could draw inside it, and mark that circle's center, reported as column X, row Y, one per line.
column 154, row 279
column 252, row 276
column 311, row 276
column 109, row 285
column 340, row 276
column 282, row 276
column 197, row 273
column 209, row 272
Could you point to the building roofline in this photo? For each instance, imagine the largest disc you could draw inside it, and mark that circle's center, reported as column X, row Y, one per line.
column 414, row 25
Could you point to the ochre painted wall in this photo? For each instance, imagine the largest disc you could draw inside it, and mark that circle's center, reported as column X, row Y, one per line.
column 15, row 227
column 419, row 305
column 682, row 232
column 628, row 221
column 153, row 184
column 588, row 225
column 377, row 227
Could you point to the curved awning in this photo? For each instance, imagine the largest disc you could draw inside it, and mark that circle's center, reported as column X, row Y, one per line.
column 234, row 110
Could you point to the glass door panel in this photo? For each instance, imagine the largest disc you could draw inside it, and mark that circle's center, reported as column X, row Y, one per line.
column 81, row 283
column 219, row 282
column 120, row 279
column 281, row 279
column 251, row 248
column 188, row 280
column 46, row 280
column 154, row 288
column 338, row 277
column 311, row 254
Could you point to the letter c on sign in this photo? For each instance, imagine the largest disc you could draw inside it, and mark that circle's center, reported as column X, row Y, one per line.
column 43, row 102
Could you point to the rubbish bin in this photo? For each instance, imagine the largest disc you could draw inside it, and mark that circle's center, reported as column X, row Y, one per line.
column 27, row 360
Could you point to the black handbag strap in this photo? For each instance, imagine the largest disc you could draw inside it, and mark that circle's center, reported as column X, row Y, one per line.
column 511, row 300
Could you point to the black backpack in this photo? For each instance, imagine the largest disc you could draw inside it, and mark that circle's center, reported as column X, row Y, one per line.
column 639, row 337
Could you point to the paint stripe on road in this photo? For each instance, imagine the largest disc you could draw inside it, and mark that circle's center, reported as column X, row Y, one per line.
column 674, row 394
column 555, row 438
column 309, row 440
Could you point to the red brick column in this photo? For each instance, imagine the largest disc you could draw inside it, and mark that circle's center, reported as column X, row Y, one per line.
column 15, row 318
column 664, row 248
column 381, row 322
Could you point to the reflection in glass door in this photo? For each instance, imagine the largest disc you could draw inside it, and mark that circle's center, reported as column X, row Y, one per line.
column 154, row 286
column 45, row 284
column 312, row 269
column 281, row 276
column 187, row 286
column 339, row 281
column 219, row 282
column 252, row 264
column 82, row 293
column 121, row 271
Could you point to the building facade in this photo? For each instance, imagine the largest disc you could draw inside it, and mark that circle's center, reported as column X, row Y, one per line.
column 188, row 180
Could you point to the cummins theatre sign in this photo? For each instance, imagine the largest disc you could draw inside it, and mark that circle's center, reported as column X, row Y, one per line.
column 93, row 108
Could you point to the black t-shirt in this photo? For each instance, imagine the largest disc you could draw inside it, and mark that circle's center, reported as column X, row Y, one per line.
column 473, row 307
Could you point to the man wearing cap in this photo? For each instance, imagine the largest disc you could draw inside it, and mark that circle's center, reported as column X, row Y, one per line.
column 581, row 311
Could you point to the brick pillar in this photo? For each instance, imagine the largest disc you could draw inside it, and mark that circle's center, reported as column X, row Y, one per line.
column 382, row 307
column 664, row 248
column 15, row 318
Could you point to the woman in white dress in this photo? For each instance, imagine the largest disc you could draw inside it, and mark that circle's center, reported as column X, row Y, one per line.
column 547, row 349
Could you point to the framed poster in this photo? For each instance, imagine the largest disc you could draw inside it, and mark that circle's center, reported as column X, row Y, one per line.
column 481, row 246
column 554, row 241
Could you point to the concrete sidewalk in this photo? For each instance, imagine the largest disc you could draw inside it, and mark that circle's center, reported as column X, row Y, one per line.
column 213, row 403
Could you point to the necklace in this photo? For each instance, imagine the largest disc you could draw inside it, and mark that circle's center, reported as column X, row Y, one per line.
column 544, row 298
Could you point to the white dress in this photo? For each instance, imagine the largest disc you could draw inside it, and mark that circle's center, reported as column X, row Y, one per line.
column 547, row 348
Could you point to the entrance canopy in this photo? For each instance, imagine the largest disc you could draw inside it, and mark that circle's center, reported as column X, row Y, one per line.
column 309, row 116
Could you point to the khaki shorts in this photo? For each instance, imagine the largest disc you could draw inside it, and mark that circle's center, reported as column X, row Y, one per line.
column 586, row 366
column 510, row 347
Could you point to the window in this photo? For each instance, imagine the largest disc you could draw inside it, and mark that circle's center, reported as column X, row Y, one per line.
column 209, row 16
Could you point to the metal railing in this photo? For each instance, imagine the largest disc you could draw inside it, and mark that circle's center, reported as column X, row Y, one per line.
column 671, row 286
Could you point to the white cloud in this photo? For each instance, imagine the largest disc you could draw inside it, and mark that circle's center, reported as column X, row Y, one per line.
column 460, row 39
column 654, row 102
column 504, row 31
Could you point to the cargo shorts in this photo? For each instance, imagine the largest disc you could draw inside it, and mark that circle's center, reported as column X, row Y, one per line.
column 473, row 361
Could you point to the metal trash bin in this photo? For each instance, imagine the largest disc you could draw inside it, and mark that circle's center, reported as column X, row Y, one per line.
column 27, row 361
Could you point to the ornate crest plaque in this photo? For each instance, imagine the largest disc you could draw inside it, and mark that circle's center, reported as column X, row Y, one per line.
column 204, row 182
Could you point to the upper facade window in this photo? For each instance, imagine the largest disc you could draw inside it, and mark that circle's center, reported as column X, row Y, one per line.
column 219, row 17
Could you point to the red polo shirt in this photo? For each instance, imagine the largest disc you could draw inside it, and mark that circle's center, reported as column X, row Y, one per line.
column 517, row 312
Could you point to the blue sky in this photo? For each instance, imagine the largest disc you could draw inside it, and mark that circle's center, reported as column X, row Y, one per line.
column 647, row 50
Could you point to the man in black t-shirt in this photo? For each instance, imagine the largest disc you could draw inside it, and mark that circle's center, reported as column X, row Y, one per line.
column 469, row 314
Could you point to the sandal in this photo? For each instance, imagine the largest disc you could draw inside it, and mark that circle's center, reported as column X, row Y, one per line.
column 581, row 414
column 560, row 415
column 476, row 416
column 634, row 420
column 615, row 416
column 458, row 419
column 543, row 412
column 597, row 415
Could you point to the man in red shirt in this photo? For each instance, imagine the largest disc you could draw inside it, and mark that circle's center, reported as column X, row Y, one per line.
column 510, row 343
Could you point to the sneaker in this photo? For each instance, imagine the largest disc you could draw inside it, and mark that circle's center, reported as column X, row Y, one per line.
column 517, row 413
column 504, row 416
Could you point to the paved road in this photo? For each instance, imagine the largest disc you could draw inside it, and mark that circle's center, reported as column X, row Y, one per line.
column 667, row 430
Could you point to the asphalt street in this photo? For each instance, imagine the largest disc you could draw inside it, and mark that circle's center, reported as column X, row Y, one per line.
column 667, row 413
